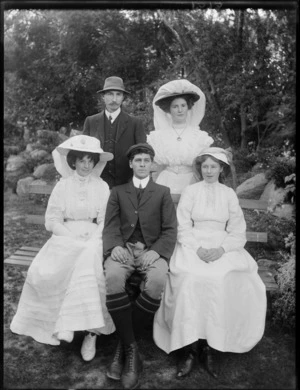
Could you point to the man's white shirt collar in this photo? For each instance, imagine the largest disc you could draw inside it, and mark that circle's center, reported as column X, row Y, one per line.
column 113, row 114
column 143, row 182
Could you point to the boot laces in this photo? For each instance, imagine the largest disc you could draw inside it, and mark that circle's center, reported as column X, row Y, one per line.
column 130, row 355
column 119, row 352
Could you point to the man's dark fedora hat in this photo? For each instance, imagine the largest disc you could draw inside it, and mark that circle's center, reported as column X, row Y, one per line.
column 113, row 83
column 143, row 146
column 193, row 95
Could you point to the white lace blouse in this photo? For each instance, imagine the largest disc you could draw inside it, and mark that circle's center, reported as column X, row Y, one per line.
column 77, row 198
column 169, row 151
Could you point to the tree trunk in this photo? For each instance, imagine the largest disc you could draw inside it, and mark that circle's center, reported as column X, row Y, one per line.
column 243, row 126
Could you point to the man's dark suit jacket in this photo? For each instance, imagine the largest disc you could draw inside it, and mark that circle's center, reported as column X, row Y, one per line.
column 130, row 132
column 156, row 213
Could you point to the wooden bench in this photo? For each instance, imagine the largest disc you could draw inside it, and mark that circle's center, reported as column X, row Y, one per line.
column 26, row 254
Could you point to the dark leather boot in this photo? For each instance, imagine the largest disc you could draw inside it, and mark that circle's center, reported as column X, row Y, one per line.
column 115, row 369
column 209, row 361
column 132, row 367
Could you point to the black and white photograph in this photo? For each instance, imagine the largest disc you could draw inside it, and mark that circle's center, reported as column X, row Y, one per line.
column 149, row 194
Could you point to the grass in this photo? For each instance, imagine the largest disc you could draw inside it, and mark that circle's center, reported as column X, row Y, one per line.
column 28, row 364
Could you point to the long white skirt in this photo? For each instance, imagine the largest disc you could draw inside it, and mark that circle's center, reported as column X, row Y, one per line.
column 64, row 289
column 223, row 302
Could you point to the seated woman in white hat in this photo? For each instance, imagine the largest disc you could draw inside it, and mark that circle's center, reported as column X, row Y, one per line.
column 214, row 299
column 64, row 290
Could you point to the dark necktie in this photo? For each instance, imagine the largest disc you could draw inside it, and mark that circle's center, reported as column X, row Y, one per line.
column 110, row 119
column 140, row 193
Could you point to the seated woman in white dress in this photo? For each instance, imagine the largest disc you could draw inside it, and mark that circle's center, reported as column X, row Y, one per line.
column 178, row 107
column 214, row 298
column 64, row 290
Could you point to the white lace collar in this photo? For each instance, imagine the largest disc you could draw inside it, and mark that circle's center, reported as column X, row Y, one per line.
column 81, row 179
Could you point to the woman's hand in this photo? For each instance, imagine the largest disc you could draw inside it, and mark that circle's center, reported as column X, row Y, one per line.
column 202, row 253
column 209, row 255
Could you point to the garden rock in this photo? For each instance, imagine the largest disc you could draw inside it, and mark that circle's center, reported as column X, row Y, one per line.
column 29, row 148
column 252, row 187
column 23, row 185
column 285, row 210
column 75, row 132
column 16, row 168
column 42, row 170
column 62, row 137
column 15, row 163
column 39, row 182
column 273, row 195
column 38, row 154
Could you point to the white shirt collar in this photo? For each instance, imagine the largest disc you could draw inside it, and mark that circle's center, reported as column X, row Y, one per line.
column 113, row 114
column 137, row 182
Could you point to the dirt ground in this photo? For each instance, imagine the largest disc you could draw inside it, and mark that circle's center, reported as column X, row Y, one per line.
column 28, row 364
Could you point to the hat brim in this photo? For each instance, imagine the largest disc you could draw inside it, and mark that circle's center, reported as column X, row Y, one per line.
column 218, row 156
column 104, row 156
column 113, row 89
column 195, row 97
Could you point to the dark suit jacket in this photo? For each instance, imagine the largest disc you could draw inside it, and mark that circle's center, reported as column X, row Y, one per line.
column 156, row 213
column 130, row 132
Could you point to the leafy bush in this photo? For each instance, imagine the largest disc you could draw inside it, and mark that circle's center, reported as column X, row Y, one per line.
column 284, row 305
column 283, row 167
column 277, row 228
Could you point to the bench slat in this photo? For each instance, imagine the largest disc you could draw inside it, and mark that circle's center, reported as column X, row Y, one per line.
column 44, row 189
column 257, row 236
column 25, row 253
column 20, row 258
column 30, row 248
column 10, row 261
column 254, row 204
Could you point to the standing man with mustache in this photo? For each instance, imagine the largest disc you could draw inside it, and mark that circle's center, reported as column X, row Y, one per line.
column 116, row 130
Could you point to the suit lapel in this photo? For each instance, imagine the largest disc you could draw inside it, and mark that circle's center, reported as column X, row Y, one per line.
column 122, row 125
column 131, row 192
column 100, row 126
column 148, row 191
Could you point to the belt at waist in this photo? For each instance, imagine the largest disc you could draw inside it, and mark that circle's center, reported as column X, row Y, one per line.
column 93, row 220
column 205, row 225
column 179, row 168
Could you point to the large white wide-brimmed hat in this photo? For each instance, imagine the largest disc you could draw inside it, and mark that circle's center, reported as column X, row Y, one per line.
column 178, row 88
column 84, row 143
column 81, row 143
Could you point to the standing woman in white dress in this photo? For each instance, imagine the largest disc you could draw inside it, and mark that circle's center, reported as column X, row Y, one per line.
column 64, row 290
column 179, row 107
column 214, row 298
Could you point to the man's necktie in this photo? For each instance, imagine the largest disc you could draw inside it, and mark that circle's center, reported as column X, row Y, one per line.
column 140, row 193
column 110, row 119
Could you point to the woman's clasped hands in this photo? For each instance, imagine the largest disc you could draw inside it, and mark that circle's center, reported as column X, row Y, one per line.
column 209, row 255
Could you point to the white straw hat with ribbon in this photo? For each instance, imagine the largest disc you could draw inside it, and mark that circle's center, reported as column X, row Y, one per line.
column 218, row 153
column 82, row 143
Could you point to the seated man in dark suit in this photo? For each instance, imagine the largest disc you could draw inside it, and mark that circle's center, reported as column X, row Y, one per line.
column 116, row 130
column 139, row 233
